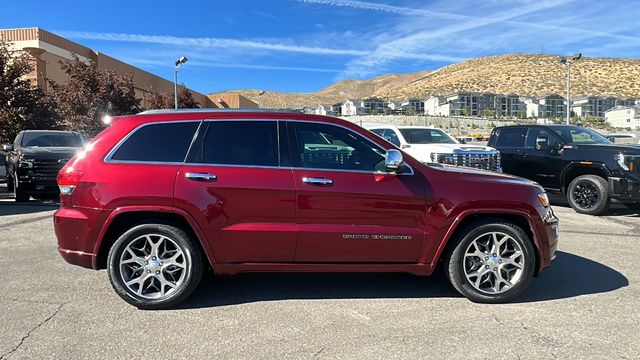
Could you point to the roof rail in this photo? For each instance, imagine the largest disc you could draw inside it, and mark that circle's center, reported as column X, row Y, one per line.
column 205, row 110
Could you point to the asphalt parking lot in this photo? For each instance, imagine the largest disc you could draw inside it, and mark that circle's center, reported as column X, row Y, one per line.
column 585, row 306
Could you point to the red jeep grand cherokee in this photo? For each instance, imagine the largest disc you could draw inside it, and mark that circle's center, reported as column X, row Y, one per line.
column 160, row 196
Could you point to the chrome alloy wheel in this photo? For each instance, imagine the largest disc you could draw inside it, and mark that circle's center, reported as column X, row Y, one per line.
column 494, row 262
column 152, row 266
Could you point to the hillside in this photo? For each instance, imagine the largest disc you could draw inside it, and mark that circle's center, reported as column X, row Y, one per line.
column 522, row 74
column 346, row 89
column 527, row 75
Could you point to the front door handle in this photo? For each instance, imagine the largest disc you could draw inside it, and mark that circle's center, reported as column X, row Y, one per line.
column 317, row 181
column 200, row 176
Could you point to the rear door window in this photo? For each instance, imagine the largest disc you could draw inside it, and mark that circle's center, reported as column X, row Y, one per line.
column 249, row 143
column 159, row 142
column 391, row 136
column 511, row 137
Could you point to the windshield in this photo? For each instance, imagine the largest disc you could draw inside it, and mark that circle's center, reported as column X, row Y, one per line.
column 578, row 135
column 51, row 139
column 426, row 136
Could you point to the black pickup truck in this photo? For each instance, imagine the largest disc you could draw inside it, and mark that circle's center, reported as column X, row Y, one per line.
column 34, row 159
column 571, row 160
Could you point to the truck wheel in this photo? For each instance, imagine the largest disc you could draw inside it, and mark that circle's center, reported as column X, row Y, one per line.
column 154, row 266
column 21, row 195
column 589, row 194
column 492, row 262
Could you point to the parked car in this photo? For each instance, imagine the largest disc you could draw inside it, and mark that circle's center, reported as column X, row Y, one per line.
column 34, row 159
column 575, row 161
column 428, row 144
column 270, row 191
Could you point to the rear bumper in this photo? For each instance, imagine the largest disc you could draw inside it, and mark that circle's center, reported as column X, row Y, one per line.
column 624, row 188
column 76, row 232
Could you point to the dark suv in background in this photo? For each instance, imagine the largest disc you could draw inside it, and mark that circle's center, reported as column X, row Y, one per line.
column 34, row 159
column 578, row 162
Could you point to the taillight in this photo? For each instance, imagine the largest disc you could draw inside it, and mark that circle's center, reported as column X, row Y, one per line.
column 68, row 179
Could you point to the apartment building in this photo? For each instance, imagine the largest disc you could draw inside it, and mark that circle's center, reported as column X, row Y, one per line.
column 592, row 106
column 548, row 107
column 623, row 116
column 372, row 106
column 415, row 106
column 509, row 105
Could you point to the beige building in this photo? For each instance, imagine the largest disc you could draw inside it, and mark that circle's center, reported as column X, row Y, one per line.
column 48, row 50
column 623, row 117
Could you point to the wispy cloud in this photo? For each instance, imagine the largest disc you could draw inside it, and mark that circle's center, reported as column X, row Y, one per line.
column 209, row 42
column 422, row 40
column 391, row 9
column 163, row 64
column 408, row 11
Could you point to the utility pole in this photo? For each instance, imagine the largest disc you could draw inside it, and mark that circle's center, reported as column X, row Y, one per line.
column 567, row 62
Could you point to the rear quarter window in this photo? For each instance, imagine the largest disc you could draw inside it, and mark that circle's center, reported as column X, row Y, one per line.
column 161, row 142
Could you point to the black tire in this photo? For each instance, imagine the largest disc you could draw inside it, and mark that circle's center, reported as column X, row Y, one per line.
column 455, row 261
column 589, row 194
column 21, row 195
column 192, row 271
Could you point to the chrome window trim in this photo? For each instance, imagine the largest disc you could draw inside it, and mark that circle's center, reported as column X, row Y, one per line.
column 108, row 157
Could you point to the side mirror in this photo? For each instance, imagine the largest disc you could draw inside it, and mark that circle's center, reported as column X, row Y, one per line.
column 542, row 143
column 393, row 160
column 7, row 147
column 611, row 138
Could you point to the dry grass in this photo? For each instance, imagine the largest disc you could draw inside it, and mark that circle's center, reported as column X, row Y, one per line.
column 523, row 74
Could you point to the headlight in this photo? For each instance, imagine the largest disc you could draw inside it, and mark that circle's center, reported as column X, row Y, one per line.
column 628, row 162
column 620, row 159
column 544, row 199
column 26, row 163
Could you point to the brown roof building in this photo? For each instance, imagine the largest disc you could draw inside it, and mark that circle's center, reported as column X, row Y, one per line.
column 48, row 50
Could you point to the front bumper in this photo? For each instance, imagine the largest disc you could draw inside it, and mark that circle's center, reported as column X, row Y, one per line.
column 551, row 231
column 34, row 182
column 624, row 188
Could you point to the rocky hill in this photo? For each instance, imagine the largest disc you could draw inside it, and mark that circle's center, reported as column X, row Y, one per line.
column 523, row 74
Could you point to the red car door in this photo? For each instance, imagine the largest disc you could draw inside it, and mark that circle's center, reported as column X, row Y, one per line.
column 348, row 209
column 233, row 184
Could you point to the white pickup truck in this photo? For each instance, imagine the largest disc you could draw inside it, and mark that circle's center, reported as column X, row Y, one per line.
column 431, row 145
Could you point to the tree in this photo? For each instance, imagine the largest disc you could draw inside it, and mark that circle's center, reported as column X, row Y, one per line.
column 90, row 93
column 156, row 100
column 22, row 106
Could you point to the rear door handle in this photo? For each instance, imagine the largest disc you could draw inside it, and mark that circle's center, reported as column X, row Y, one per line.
column 201, row 176
column 317, row 181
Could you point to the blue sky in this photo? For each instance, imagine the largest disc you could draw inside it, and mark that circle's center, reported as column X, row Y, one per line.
column 305, row 45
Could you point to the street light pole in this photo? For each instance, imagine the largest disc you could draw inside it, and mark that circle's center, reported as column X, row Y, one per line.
column 179, row 63
column 260, row 97
column 566, row 61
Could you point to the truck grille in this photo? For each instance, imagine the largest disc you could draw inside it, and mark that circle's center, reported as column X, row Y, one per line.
column 476, row 160
column 46, row 170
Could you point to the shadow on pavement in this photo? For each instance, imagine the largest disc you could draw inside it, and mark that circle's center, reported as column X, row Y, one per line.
column 616, row 209
column 570, row 276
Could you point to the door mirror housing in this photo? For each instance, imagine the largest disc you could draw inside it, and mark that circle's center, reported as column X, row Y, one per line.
column 542, row 143
column 7, row 147
column 393, row 160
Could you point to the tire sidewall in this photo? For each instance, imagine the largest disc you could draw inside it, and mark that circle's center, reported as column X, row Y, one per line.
column 192, row 266
column 456, row 264
column 603, row 195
